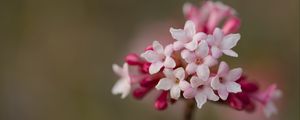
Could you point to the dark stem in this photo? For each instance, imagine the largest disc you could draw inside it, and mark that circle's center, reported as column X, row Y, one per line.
column 189, row 110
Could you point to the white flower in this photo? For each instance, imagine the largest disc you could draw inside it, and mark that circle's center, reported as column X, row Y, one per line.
column 123, row 85
column 159, row 57
column 186, row 37
column 224, row 81
column 199, row 60
column 222, row 44
column 174, row 81
column 201, row 91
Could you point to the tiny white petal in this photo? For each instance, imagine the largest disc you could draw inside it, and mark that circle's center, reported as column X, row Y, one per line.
column 199, row 36
column 157, row 47
column 223, row 69
column 175, row 92
column 223, row 93
column 233, row 87
column 215, row 83
column 202, row 50
column 169, row 62
column 121, row 87
column 178, row 34
column 200, row 99
column 230, row 53
column 218, row 34
column 203, row 72
column 179, row 73
column 230, row 41
column 195, row 82
column 216, row 52
column 168, row 50
column 189, row 28
column 211, row 95
column 210, row 61
column 191, row 45
column 164, row 84
column 191, row 68
column 150, row 56
column 177, row 45
column 155, row 67
column 188, row 56
column 117, row 69
column 169, row 73
column 183, row 84
column 234, row 74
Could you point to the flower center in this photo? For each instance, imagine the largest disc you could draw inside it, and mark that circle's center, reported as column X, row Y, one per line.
column 199, row 61
column 200, row 87
column 222, row 80
column 177, row 81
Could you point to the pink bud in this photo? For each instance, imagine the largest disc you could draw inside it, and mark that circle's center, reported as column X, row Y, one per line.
column 149, row 47
column 144, row 68
column 232, row 25
column 161, row 102
column 139, row 93
column 133, row 59
column 148, row 82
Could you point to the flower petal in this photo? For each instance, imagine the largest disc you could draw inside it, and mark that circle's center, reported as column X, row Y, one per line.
column 223, row 69
column 190, row 28
column 216, row 52
column 189, row 93
column 175, row 92
column 183, row 85
column 215, row 83
column 179, row 73
column 121, row 87
column 178, row 34
column 177, row 45
column 233, row 87
column 223, row 94
column 191, row 68
column 169, row 62
column 168, row 50
column 195, row 82
column 202, row 50
column 155, row 67
column 199, row 36
column 234, row 74
column 169, row 73
column 157, row 47
column 150, row 56
column 218, row 35
column 210, row 94
column 164, row 84
column 230, row 41
column 191, row 45
column 230, row 53
column 200, row 99
column 188, row 56
column 210, row 61
column 203, row 72
column 117, row 69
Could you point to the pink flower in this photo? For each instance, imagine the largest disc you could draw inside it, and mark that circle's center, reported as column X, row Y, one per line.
column 186, row 37
column 225, row 80
column 267, row 97
column 123, row 85
column 174, row 81
column 159, row 57
column 201, row 91
column 223, row 44
column 199, row 60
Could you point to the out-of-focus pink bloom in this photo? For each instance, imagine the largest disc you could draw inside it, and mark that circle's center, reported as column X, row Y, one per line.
column 123, row 85
column 225, row 81
column 210, row 15
column 223, row 44
column 174, row 81
column 267, row 97
column 159, row 57
column 201, row 91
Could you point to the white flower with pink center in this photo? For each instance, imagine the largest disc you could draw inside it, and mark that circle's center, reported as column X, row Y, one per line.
column 199, row 60
column 224, row 81
column 186, row 37
column 222, row 44
column 159, row 57
column 123, row 85
column 174, row 81
column 201, row 91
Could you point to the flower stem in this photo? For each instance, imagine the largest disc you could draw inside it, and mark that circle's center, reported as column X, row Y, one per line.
column 189, row 110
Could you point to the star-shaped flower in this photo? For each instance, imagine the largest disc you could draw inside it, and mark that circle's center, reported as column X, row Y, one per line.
column 159, row 57
column 222, row 44
column 123, row 85
column 201, row 91
column 199, row 60
column 186, row 37
column 174, row 81
column 224, row 81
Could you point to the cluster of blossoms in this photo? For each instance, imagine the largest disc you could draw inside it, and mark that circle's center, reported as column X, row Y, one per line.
column 189, row 68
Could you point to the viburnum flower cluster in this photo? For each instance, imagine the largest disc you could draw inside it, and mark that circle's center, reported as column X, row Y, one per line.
column 190, row 67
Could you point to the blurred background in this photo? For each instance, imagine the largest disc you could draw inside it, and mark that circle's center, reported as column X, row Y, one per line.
column 56, row 56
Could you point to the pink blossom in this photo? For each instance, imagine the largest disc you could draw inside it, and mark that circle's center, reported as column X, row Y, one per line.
column 225, row 80
column 159, row 57
column 174, row 81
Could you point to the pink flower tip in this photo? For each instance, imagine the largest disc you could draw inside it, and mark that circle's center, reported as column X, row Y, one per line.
column 133, row 59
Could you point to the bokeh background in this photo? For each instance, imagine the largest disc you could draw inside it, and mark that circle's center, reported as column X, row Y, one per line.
column 56, row 56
